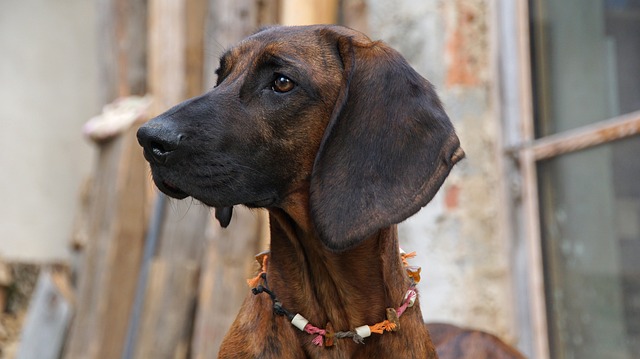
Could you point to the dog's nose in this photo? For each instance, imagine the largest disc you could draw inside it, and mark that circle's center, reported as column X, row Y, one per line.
column 159, row 143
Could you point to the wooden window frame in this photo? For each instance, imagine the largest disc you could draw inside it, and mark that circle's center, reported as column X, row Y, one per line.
column 521, row 153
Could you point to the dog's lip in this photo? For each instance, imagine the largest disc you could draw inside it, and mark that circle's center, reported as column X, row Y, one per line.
column 266, row 202
column 171, row 190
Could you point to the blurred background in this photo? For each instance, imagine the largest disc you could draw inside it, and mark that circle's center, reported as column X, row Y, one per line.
column 534, row 237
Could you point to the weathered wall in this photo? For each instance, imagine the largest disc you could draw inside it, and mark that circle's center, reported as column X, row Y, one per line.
column 48, row 87
column 460, row 245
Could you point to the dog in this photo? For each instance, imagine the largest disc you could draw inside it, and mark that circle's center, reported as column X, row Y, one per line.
column 340, row 139
column 453, row 342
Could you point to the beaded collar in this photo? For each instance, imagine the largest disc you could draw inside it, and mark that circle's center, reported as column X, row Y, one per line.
column 325, row 336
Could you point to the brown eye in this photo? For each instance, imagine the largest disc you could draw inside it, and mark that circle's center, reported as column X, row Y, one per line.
column 282, row 84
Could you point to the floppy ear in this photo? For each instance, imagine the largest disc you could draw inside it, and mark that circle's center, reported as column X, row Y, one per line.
column 387, row 148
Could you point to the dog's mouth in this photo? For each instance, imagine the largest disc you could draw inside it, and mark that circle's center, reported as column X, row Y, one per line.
column 222, row 214
column 212, row 195
column 171, row 190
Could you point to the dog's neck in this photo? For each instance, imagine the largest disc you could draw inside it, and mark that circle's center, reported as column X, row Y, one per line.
column 347, row 289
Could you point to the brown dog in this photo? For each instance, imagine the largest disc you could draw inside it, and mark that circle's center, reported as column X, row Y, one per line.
column 340, row 139
column 460, row 343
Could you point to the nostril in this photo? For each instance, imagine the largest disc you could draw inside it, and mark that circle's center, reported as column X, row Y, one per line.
column 160, row 150
column 160, row 141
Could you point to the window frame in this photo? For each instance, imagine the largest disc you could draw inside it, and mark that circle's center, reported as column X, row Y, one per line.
column 521, row 152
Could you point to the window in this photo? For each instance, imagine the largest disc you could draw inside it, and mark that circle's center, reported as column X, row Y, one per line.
column 578, row 153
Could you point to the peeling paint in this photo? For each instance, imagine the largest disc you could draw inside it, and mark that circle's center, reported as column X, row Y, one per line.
column 451, row 199
column 466, row 45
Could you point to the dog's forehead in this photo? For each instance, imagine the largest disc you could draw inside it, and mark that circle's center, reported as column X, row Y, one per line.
column 298, row 34
column 295, row 41
column 313, row 50
column 285, row 41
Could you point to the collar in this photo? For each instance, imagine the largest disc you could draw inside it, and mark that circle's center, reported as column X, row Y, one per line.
column 325, row 336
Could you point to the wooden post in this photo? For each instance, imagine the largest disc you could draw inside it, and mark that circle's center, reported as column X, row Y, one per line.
column 117, row 198
column 122, row 39
column 295, row 12
column 170, row 301
column 166, row 52
column 107, row 278
column 353, row 13
column 228, row 260
column 48, row 318
column 196, row 15
column 167, row 319
column 5, row 282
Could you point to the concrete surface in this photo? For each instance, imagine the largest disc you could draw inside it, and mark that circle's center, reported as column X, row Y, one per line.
column 464, row 257
column 48, row 85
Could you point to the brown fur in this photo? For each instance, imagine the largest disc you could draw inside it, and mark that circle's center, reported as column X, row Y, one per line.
column 453, row 342
column 358, row 145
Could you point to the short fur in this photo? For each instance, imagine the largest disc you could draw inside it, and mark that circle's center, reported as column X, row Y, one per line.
column 453, row 342
column 359, row 144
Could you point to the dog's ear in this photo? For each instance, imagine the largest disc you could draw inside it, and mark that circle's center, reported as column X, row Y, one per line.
column 386, row 150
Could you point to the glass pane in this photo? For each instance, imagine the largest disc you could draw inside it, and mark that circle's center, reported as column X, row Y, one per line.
column 586, row 61
column 590, row 214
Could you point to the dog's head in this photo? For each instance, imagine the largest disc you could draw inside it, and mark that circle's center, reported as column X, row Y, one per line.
column 320, row 109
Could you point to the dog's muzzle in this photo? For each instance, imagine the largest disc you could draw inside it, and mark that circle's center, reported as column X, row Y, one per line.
column 161, row 145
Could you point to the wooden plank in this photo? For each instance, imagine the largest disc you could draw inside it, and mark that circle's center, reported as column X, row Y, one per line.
column 308, row 12
column 126, row 252
column 48, row 318
column 5, row 281
column 167, row 52
column 122, row 41
column 228, row 21
column 354, row 14
column 505, row 168
column 196, row 14
column 167, row 318
column 107, row 278
column 229, row 253
column 117, row 198
column 170, row 303
column 586, row 136
column 524, row 222
column 183, row 233
column 529, row 192
column 511, row 210
column 534, row 254
column 268, row 12
column 229, row 262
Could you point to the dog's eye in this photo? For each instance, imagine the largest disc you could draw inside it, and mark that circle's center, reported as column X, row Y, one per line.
column 282, row 84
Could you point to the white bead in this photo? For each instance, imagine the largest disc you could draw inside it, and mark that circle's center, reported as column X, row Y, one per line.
column 299, row 322
column 363, row 331
column 413, row 295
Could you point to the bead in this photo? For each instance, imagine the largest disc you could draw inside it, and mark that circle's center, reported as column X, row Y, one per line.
column 299, row 321
column 414, row 273
column 392, row 317
column 363, row 331
column 413, row 295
